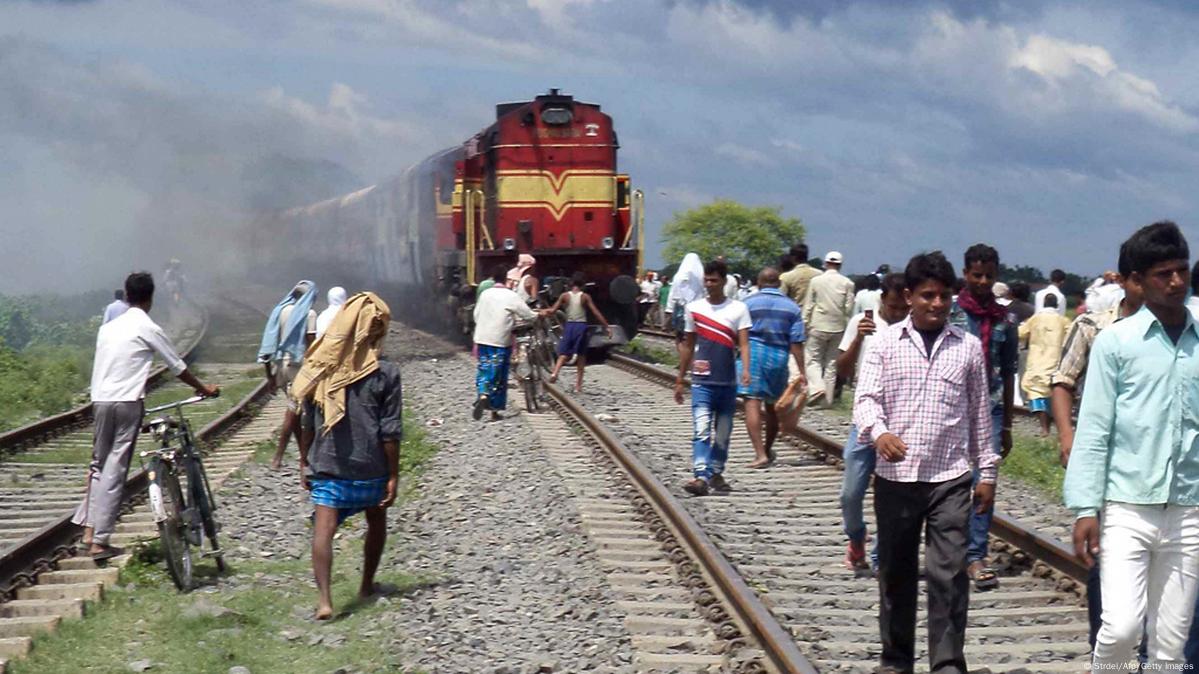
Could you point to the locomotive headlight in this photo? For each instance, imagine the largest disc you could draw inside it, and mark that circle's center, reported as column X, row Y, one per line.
column 608, row 242
column 509, row 244
column 556, row 116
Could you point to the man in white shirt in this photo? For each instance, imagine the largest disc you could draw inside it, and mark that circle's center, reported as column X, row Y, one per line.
column 826, row 311
column 125, row 351
column 1056, row 278
column 116, row 307
column 496, row 312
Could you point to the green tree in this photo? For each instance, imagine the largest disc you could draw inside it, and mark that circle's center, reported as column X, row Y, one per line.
column 749, row 237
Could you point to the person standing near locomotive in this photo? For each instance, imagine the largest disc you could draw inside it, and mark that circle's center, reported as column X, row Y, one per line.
column 717, row 327
column 350, row 442
column 125, row 348
column 496, row 312
column 289, row 332
column 687, row 287
column 520, row 278
column 576, row 303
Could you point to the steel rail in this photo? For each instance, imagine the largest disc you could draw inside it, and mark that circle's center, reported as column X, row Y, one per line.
column 55, row 423
column 1040, row 547
column 748, row 610
column 40, row 550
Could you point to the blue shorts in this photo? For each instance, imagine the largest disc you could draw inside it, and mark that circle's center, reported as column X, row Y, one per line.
column 574, row 339
column 349, row 497
column 1038, row 405
column 767, row 372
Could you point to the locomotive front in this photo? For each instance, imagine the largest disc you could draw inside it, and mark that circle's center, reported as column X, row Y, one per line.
column 543, row 180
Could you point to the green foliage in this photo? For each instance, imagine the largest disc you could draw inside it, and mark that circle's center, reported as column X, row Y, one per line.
column 1035, row 462
column 749, row 237
column 652, row 353
column 45, row 354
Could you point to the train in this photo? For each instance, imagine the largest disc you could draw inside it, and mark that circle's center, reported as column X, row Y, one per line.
column 541, row 179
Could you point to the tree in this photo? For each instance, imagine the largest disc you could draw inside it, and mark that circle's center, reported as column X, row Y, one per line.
column 748, row 237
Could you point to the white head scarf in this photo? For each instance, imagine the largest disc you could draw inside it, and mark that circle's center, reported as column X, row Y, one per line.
column 688, row 284
column 337, row 297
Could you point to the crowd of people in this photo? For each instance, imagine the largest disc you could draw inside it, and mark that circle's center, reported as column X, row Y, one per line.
column 934, row 356
column 938, row 359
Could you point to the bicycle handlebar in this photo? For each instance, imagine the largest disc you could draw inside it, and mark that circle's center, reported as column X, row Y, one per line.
column 180, row 403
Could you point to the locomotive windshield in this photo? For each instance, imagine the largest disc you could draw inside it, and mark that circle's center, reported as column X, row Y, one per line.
column 556, row 116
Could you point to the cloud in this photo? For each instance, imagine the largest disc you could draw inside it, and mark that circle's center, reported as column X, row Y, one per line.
column 743, row 155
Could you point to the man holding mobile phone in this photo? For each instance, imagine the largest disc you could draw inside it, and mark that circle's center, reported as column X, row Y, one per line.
column 859, row 453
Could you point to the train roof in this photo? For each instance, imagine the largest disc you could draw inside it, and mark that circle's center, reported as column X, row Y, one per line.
column 554, row 96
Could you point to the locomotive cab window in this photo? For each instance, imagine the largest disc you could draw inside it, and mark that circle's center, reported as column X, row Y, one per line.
column 622, row 194
column 556, row 116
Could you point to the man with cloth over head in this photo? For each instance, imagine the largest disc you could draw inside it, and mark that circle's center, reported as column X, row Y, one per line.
column 777, row 332
column 289, row 331
column 350, row 441
column 125, row 349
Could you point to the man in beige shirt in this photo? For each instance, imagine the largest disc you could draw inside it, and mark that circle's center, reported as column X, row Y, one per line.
column 827, row 307
column 794, row 283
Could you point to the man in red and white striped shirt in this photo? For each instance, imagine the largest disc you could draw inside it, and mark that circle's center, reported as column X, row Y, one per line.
column 922, row 398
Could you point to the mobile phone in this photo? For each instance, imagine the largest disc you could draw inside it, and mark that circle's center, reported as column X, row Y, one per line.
column 870, row 314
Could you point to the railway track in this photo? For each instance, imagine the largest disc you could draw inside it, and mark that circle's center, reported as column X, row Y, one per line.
column 42, row 480
column 762, row 565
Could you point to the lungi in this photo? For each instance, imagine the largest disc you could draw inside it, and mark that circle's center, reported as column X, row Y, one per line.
column 491, row 379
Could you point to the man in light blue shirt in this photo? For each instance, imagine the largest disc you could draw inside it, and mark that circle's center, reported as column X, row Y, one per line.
column 1136, row 460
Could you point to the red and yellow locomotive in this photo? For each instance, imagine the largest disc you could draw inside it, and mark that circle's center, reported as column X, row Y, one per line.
column 541, row 180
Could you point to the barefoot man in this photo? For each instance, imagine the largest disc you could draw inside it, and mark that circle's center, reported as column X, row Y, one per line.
column 350, row 436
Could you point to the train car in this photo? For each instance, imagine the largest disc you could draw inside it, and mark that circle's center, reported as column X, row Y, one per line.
column 542, row 179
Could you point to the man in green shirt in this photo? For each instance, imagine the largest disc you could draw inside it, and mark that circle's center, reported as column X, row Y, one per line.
column 1136, row 459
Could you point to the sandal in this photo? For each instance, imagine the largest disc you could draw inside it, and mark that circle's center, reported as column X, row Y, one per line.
column 108, row 552
column 984, row 577
column 761, row 465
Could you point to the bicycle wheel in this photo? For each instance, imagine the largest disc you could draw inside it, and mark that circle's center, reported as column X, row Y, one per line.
column 166, row 500
column 202, row 497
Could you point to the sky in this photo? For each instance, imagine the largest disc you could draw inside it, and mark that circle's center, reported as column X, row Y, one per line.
column 133, row 131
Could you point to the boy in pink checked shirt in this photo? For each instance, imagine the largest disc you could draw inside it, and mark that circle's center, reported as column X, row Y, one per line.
column 922, row 397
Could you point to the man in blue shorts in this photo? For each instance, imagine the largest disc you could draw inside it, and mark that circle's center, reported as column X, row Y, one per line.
column 777, row 331
column 576, row 304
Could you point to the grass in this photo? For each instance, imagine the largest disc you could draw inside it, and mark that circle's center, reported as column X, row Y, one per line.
column 266, row 628
column 1034, row 461
column 643, row 350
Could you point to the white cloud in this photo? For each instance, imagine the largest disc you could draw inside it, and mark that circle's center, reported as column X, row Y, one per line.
column 743, row 154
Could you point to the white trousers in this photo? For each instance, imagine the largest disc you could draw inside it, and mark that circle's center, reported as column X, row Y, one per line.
column 820, row 349
column 1150, row 560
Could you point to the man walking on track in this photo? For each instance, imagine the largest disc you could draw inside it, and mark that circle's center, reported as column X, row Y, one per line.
column 716, row 329
column 350, row 442
column 795, row 280
column 776, row 334
column 1044, row 333
column 977, row 312
column 496, row 312
column 125, row 349
column 826, row 311
column 289, row 332
column 922, row 398
column 1136, row 460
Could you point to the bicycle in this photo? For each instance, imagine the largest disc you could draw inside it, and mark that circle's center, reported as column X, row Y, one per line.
column 533, row 359
column 180, row 496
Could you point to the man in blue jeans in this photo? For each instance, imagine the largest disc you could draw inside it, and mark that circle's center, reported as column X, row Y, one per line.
column 859, row 454
column 715, row 329
column 977, row 312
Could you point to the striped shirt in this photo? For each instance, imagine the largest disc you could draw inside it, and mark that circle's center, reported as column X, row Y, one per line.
column 777, row 321
column 937, row 405
column 716, row 328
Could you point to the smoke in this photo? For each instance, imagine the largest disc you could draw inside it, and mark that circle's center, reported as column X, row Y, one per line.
column 109, row 168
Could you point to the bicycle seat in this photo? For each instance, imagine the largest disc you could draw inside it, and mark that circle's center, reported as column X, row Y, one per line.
column 160, row 422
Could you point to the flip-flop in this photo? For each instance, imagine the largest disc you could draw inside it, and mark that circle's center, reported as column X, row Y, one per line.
column 108, row 552
column 984, row 579
column 761, row 466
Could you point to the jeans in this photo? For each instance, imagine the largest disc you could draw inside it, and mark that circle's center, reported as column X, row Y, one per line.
column 942, row 510
column 1150, row 558
column 860, row 457
column 980, row 525
column 712, row 409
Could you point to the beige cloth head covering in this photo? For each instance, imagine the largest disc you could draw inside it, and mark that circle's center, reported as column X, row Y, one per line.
column 345, row 353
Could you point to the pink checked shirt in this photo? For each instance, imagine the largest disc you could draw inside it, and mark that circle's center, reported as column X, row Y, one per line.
column 938, row 406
